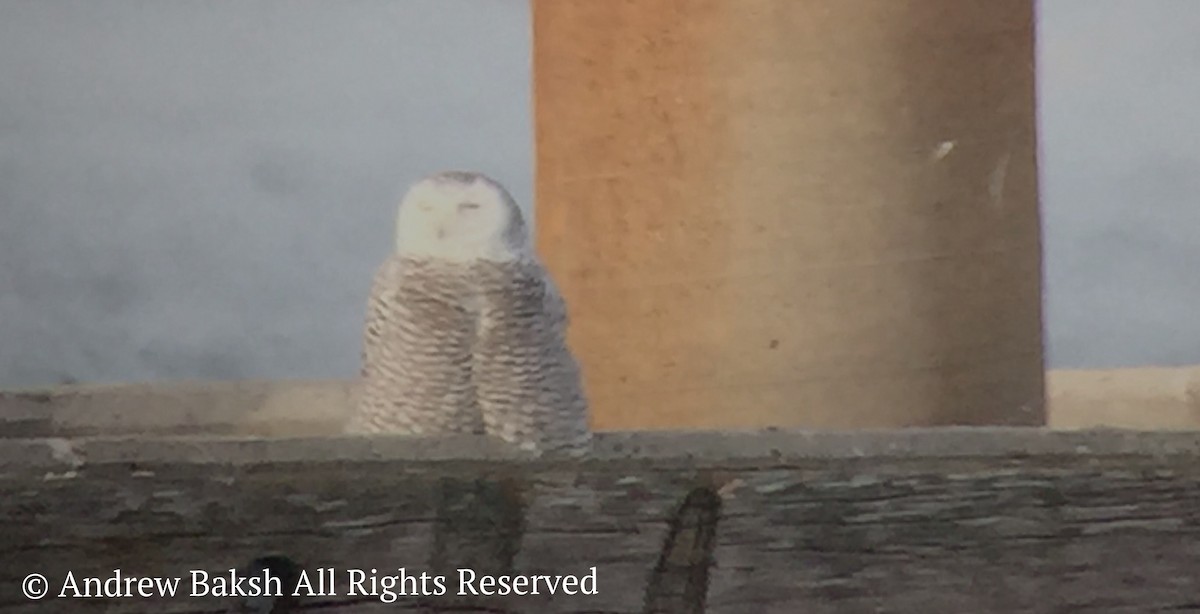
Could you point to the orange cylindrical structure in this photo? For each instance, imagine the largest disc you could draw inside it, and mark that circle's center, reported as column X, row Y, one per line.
column 795, row 213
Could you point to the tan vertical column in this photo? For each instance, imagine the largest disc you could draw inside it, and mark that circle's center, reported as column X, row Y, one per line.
column 793, row 212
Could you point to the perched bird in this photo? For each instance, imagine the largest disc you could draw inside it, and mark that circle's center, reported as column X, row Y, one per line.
column 465, row 330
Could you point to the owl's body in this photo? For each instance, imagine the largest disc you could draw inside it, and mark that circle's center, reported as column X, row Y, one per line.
column 527, row 382
column 465, row 331
column 418, row 339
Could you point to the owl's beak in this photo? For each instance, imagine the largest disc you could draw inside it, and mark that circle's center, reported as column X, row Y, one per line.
column 441, row 233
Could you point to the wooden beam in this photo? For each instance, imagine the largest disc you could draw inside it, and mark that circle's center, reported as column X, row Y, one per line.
column 938, row 520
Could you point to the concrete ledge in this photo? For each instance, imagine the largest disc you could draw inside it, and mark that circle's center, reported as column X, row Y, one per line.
column 1140, row 398
column 699, row 448
column 267, row 408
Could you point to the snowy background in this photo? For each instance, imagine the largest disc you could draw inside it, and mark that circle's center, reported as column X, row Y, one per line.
column 202, row 189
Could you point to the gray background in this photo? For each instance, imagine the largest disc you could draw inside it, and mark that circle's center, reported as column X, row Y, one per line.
column 201, row 189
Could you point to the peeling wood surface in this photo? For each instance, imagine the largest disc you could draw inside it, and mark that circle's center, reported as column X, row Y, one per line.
column 940, row 520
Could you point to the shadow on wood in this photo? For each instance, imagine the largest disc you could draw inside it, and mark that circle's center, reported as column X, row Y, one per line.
column 280, row 600
column 680, row 579
column 478, row 526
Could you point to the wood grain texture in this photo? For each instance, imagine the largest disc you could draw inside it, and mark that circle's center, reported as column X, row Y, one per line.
column 937, row 520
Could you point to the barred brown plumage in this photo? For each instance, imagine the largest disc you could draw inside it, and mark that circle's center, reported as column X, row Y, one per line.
column 527, row 382
column 417, row 342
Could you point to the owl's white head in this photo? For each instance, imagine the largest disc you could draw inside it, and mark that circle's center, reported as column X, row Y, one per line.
column 460, row 216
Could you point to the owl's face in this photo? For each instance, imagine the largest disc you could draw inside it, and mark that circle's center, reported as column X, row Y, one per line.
column 460, row 217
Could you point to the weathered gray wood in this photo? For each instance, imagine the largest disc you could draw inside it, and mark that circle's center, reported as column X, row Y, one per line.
column 941, row 520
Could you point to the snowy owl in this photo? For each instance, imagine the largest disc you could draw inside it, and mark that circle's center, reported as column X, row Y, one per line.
column 465, row 331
